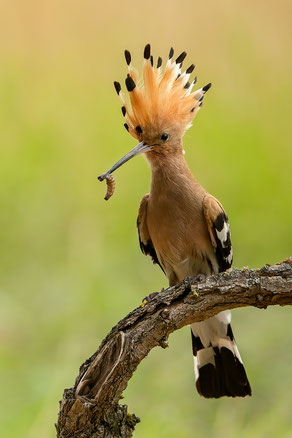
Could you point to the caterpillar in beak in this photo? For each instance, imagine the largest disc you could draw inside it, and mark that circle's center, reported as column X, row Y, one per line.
column 110, row 185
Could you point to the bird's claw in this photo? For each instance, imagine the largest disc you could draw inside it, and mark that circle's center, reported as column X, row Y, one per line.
column 148, row 298
column 196, row 279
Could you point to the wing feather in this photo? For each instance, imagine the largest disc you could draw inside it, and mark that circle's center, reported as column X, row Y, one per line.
column 145, row 241
column 219, row 231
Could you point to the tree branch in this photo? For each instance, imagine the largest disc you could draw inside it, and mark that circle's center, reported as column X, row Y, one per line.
column 90, row 409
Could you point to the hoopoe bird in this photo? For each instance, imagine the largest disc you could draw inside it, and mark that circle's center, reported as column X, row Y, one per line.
column 181, row 227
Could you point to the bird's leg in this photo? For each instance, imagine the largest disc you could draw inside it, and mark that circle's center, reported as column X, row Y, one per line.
column 196, row 279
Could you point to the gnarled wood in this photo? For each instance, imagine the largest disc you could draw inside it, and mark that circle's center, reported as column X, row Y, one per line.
column 90, row 409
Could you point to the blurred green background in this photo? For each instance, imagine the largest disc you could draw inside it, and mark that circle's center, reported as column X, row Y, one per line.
column 71, row 266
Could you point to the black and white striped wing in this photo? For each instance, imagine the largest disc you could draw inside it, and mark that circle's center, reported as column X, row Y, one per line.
column 219, row 369
column 219, row 230
column 145, row 241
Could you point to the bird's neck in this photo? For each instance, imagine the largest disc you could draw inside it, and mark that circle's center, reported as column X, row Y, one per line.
column 170, row 173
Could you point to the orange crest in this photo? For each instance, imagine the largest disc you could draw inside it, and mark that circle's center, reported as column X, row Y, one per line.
column 162, row 96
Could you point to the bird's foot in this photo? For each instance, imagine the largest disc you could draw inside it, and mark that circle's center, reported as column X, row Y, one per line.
column 148, row 298
column 196, row 279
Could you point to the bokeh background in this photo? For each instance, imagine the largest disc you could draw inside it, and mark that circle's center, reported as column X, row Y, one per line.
column 71, row 266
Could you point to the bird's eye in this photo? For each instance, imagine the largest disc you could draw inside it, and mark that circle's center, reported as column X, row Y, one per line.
column 164, row 137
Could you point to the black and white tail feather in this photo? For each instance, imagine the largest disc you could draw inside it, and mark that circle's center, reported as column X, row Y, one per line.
column 219, row 369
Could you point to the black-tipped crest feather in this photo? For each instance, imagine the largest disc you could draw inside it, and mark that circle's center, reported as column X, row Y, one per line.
column 190, row 69
column 117, row 87
column 147, row 51
column 130, row 84
column 206, row 87
column 180, row 58
column 128, row 57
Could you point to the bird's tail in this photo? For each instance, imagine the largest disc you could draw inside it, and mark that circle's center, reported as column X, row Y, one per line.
column 219, row 370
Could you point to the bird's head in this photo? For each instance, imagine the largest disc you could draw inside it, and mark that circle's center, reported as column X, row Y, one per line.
column 162, row 105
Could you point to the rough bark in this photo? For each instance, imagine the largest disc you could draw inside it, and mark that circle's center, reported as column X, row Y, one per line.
column 90, row 409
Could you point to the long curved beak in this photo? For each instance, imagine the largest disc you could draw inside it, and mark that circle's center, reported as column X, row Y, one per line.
column 137, row 150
